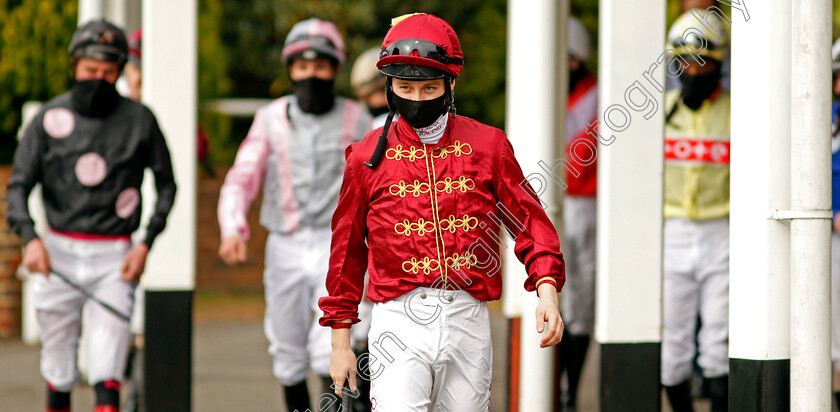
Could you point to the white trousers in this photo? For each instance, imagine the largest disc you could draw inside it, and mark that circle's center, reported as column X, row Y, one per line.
column 696, row 283
column 95, row 266
column 579, row 254
column 430, row 354
column 295, row 278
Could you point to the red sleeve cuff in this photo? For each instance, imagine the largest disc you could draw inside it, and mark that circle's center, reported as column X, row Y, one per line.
column 341, row 325
column 546, row 266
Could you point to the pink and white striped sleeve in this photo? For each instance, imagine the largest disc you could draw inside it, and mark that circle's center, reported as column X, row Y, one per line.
column 243, row 181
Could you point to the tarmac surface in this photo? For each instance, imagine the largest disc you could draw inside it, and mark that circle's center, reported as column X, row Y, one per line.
column 232, row 370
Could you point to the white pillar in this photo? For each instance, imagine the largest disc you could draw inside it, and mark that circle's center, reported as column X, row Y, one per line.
column 116, row 11
column 630, row 166
column 133, row 12
column 810, row 363
column 759, row 280
column 630, row 175
column 531, row 123
column 90, row 9
column 170, row 90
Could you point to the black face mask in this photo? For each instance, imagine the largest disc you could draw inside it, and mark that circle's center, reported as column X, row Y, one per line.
column 419, row 114
column 576, row 76
column 697, row 88
column 376, row 111
column 94, row 98
column 315, row 95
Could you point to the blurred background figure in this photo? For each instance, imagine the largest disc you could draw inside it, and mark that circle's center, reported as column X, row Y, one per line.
column 295, row 152
column 89, row 149
column 369, row 85
column 132, row 77
column 579, row 211
column 726, row 64
column 696, row 229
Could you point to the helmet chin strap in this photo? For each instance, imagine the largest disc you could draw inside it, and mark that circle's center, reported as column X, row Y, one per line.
column 376, row 157
column 379, row 151
column 451, row 93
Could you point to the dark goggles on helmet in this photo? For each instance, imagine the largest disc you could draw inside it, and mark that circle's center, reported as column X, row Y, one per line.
column 101, row 36
column 319, row 40
column 424, row 48
column 100, row 44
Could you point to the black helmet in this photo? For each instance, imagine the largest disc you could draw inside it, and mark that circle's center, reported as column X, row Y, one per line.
column 99, row 40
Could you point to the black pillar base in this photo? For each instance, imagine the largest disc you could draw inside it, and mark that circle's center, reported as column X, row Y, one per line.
column 759, row 385
column 168, row 351
column 630, row 377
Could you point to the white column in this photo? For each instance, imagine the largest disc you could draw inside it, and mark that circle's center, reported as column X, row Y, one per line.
column 628, row 318
column 759, row 269
column 116, row 11
column 531, row 122
column 170, row 90
column 90, row 10
column 133, row 12
column 630, row 159
column 810, row 363
column 759, row 265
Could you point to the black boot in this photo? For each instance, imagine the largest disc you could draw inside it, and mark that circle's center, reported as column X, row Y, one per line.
column 57, row 401
column 679, row 396
column 107, row 394
column 362, row 402
column 718, row 389
column 577, row 347
column 297, row 397
column 561, row 357
column 572, row 354
column 837, row 398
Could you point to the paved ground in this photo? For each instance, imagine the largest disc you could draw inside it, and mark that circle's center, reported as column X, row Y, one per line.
column 231, row 367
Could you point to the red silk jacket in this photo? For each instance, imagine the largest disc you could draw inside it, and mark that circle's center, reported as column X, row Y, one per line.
column 429, row 216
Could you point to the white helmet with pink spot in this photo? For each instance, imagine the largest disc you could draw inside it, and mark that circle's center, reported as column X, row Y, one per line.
column 311, row 39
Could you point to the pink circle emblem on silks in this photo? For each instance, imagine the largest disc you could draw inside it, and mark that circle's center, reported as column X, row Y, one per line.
column 127, row 202
column 90, row 169
column 59, row 122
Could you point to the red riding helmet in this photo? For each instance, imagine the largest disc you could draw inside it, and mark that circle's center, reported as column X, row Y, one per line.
column 420, row 47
